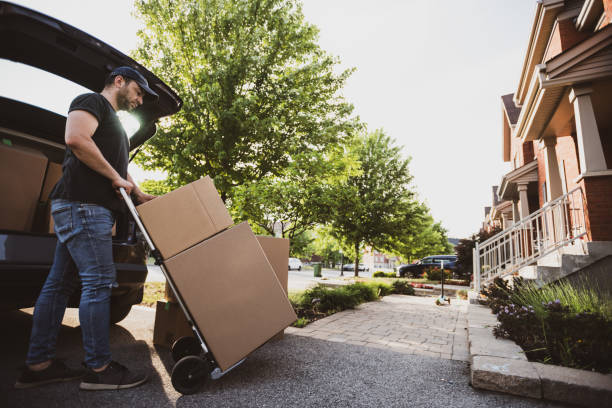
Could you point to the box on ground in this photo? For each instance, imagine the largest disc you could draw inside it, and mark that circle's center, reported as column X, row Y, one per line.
column 277, row 252
column 21, row 177
column 232, row 293
column 182, row 218
column 170, row 324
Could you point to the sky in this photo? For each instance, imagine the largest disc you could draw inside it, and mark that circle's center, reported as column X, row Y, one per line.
column 429, row 73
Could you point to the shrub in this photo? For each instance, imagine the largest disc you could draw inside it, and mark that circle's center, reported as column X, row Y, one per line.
column 364, row 292
column 573, row 330
column 402, row 287
column 382, row 274
column 435, row 274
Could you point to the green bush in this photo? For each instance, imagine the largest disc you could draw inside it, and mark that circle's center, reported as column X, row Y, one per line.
column 435, row 274
column 364, row 292
column 382, row 274
column 402, row 287
column 559, row 323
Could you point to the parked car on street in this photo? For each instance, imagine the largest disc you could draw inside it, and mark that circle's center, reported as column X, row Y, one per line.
column 416, row 269
column 351, row 267
column 32, row 133
column 295, row 263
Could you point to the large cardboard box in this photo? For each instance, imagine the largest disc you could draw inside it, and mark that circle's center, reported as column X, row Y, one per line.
column 170, row 324
column 21, row 176
column 54, row 173
column 182, row 218
column 232, row 293
column 277, row 252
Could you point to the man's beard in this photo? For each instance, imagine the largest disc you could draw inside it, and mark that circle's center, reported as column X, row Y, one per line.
column 123, row 103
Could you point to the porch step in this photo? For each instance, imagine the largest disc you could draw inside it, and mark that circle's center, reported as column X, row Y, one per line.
column 598, row 258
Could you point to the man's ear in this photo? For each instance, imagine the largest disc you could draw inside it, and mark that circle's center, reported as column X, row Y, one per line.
column 119, row 81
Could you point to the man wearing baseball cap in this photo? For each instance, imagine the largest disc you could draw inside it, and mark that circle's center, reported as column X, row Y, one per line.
column 83, row 205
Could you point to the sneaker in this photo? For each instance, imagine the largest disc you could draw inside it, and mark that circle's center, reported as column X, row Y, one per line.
column 56, row 372
column 114, row 377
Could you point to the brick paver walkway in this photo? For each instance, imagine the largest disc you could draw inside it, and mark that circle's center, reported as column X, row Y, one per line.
column 407, row 324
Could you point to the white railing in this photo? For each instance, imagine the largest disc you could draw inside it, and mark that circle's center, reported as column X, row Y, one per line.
column 558, row 223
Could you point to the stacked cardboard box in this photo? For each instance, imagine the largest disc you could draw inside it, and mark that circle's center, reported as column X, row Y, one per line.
column 22, row 172
column 222, row 274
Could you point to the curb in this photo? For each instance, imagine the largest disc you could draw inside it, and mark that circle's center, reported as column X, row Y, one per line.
column 501, row 365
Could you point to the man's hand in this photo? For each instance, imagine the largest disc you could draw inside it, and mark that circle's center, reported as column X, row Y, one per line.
column 120, row 182
column 143, row 197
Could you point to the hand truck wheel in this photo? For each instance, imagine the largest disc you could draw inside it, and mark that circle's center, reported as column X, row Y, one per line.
column 185, row 346
column 189, row 373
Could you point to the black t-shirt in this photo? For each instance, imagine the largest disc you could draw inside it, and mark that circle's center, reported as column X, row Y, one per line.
column 78, row 181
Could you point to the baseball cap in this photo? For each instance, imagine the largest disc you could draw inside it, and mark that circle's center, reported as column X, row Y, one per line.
column 129, row 72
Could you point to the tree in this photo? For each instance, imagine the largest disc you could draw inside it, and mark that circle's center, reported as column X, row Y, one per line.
column 257, row 89
column 376, row 207
column 430, row 239
column 465, row 247
column 298, row 199
column 155, row 187
column 326, row 246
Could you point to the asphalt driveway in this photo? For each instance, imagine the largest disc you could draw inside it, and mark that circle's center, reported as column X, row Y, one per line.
column 297, row 371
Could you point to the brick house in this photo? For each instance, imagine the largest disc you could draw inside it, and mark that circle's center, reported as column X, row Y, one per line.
column 377, row 261
column 555, row 205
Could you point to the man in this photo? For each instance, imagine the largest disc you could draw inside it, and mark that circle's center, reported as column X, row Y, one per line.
column 83, row 206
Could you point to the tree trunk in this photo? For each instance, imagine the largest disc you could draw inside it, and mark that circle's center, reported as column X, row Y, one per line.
column 356, row 259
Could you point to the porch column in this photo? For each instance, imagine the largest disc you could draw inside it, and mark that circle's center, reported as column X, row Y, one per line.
column 554, row 188
column 506, row 223
column 523, row 200
column 516, row 216
column 590, row 150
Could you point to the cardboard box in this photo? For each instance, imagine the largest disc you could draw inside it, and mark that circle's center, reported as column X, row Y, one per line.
column 54, row 173
column 232, row 293
column 182, row 218
column 170, row 324
column 21, row 177
column 277, row 252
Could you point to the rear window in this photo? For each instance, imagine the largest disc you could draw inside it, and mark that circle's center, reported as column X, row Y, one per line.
column 47, row 91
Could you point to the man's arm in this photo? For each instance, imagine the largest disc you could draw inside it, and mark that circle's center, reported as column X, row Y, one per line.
column 80, row 127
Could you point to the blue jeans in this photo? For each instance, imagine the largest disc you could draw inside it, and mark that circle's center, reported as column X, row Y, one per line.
column 84, row 252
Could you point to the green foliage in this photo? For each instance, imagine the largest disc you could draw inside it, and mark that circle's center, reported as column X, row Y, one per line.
column 464, row 250
column 435, row 274
column 462, row 293
column 258, row 90
column 301, row 245
column 300, row 322
column 561, row 323
column 156, row 187
column 383, row 274
column 402, row 287
column 376, row 207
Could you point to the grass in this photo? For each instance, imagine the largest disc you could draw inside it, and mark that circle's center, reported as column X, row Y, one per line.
column 582, row 297
column 153, row 291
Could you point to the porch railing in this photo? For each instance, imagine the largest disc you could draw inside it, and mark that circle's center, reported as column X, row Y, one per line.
column 557, row 224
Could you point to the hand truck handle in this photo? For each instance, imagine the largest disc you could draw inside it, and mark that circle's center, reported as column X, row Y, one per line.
column 132, row 208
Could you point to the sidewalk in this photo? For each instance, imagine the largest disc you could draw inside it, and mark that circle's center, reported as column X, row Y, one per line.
column 405, row 324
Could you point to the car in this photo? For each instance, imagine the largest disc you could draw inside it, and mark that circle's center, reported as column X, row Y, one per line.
column 295, row 263
column 351, row 267
column 416, row 269
column 26, row 253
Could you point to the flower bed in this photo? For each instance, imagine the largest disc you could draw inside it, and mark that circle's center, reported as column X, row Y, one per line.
column 318, row 302
column 558, row 324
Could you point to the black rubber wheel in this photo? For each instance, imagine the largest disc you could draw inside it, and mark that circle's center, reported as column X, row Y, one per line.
column 118, row 312
column 185, row 346
column 189, row 373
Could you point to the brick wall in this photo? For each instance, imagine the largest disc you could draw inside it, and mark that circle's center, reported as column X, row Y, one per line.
column 567, row 156
column 563, row 37
column 540, row 155
column 598, row 197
